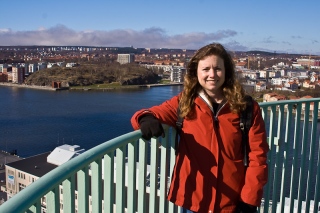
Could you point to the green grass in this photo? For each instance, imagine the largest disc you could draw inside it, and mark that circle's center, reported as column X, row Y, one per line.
column 114, row 85
column 165, row 82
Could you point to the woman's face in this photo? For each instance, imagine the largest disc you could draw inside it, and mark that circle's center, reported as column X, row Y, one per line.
column 211, row 74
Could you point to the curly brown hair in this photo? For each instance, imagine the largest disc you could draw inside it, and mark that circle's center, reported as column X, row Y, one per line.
column 232, row 89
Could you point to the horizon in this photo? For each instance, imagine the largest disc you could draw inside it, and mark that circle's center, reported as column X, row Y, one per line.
column 269, row 26
column 90, row 46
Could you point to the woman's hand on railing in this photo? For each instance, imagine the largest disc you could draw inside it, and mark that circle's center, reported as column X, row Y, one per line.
column 150, row 126
column 245, row 208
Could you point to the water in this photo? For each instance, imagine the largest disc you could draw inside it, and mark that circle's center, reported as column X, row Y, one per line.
column 36, row 121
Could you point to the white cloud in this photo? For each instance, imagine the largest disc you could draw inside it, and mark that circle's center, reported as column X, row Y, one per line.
column 150, row 37
column 153, row 37
column 5, row 30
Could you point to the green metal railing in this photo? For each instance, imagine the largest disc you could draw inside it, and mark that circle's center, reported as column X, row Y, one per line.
column 129, row 174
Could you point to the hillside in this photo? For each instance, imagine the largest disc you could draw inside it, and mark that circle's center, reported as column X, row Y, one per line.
column 88, row 74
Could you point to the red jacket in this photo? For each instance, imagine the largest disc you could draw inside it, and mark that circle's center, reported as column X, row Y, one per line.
column 209, row 175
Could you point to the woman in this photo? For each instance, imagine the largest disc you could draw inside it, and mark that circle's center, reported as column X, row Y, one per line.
column 209, row 174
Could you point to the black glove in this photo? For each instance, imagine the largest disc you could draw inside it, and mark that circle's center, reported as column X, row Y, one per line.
column 245, row 208
column 150, row 126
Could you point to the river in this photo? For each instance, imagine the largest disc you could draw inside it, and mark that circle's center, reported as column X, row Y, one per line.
column 36, row 121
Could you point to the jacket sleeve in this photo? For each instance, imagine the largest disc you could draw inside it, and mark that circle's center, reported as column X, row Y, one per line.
column 257, row 171
column 165, row 112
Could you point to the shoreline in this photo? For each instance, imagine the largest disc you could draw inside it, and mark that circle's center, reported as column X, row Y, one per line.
column 29, row 86
column 87, row 88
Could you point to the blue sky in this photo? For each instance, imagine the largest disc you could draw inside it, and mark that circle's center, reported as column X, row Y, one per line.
column 290, row 26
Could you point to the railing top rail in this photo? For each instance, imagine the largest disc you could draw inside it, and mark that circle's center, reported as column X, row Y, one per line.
column 43, row 185
column 283, row 102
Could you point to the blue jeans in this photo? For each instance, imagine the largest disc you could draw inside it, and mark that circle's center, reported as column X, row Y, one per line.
column 183, row 210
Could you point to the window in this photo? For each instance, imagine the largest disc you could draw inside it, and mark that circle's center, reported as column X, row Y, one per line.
column 21, row 175
column 21, row 186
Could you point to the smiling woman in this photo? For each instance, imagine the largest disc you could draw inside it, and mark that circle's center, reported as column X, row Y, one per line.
column 210, row 174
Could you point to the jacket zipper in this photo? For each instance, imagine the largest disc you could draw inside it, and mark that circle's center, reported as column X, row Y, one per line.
column 215, row 115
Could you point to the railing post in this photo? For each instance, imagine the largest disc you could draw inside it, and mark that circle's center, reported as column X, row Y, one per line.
column 285, row 156
column 53, row 200
column 120, row 178
column 153, row 174
column 35, row 208
column 164, row 165
column 142, row 176
column 96, row 185
column 294, row 167
column 132, row 168
column 68, row 187
column 312, row 152
column 109, row 192
column 83, row 190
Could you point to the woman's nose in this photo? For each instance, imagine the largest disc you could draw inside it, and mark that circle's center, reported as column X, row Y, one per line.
column 212, row 72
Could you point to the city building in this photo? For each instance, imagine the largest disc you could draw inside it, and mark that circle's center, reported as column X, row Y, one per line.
column 17, row 75
column 126, row 58
column 177, row 74
column 32, row 67
column 3, row 77
column 20, row 174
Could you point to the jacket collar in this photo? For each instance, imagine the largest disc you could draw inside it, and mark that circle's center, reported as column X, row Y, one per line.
column 204, row 97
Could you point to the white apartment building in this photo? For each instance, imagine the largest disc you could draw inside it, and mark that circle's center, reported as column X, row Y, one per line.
column 41, row 66
column 279, row 81
column 295, row 72
column 17, row 75
column 125, row 58
column 251, row 74
column 177, row 74
column 263, row 73
column 20, row 174
column 32, row 68
column 273, row 74
column 165, row 68
column 260, row 87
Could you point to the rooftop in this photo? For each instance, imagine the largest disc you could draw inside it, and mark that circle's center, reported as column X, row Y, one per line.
column 36, row 165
